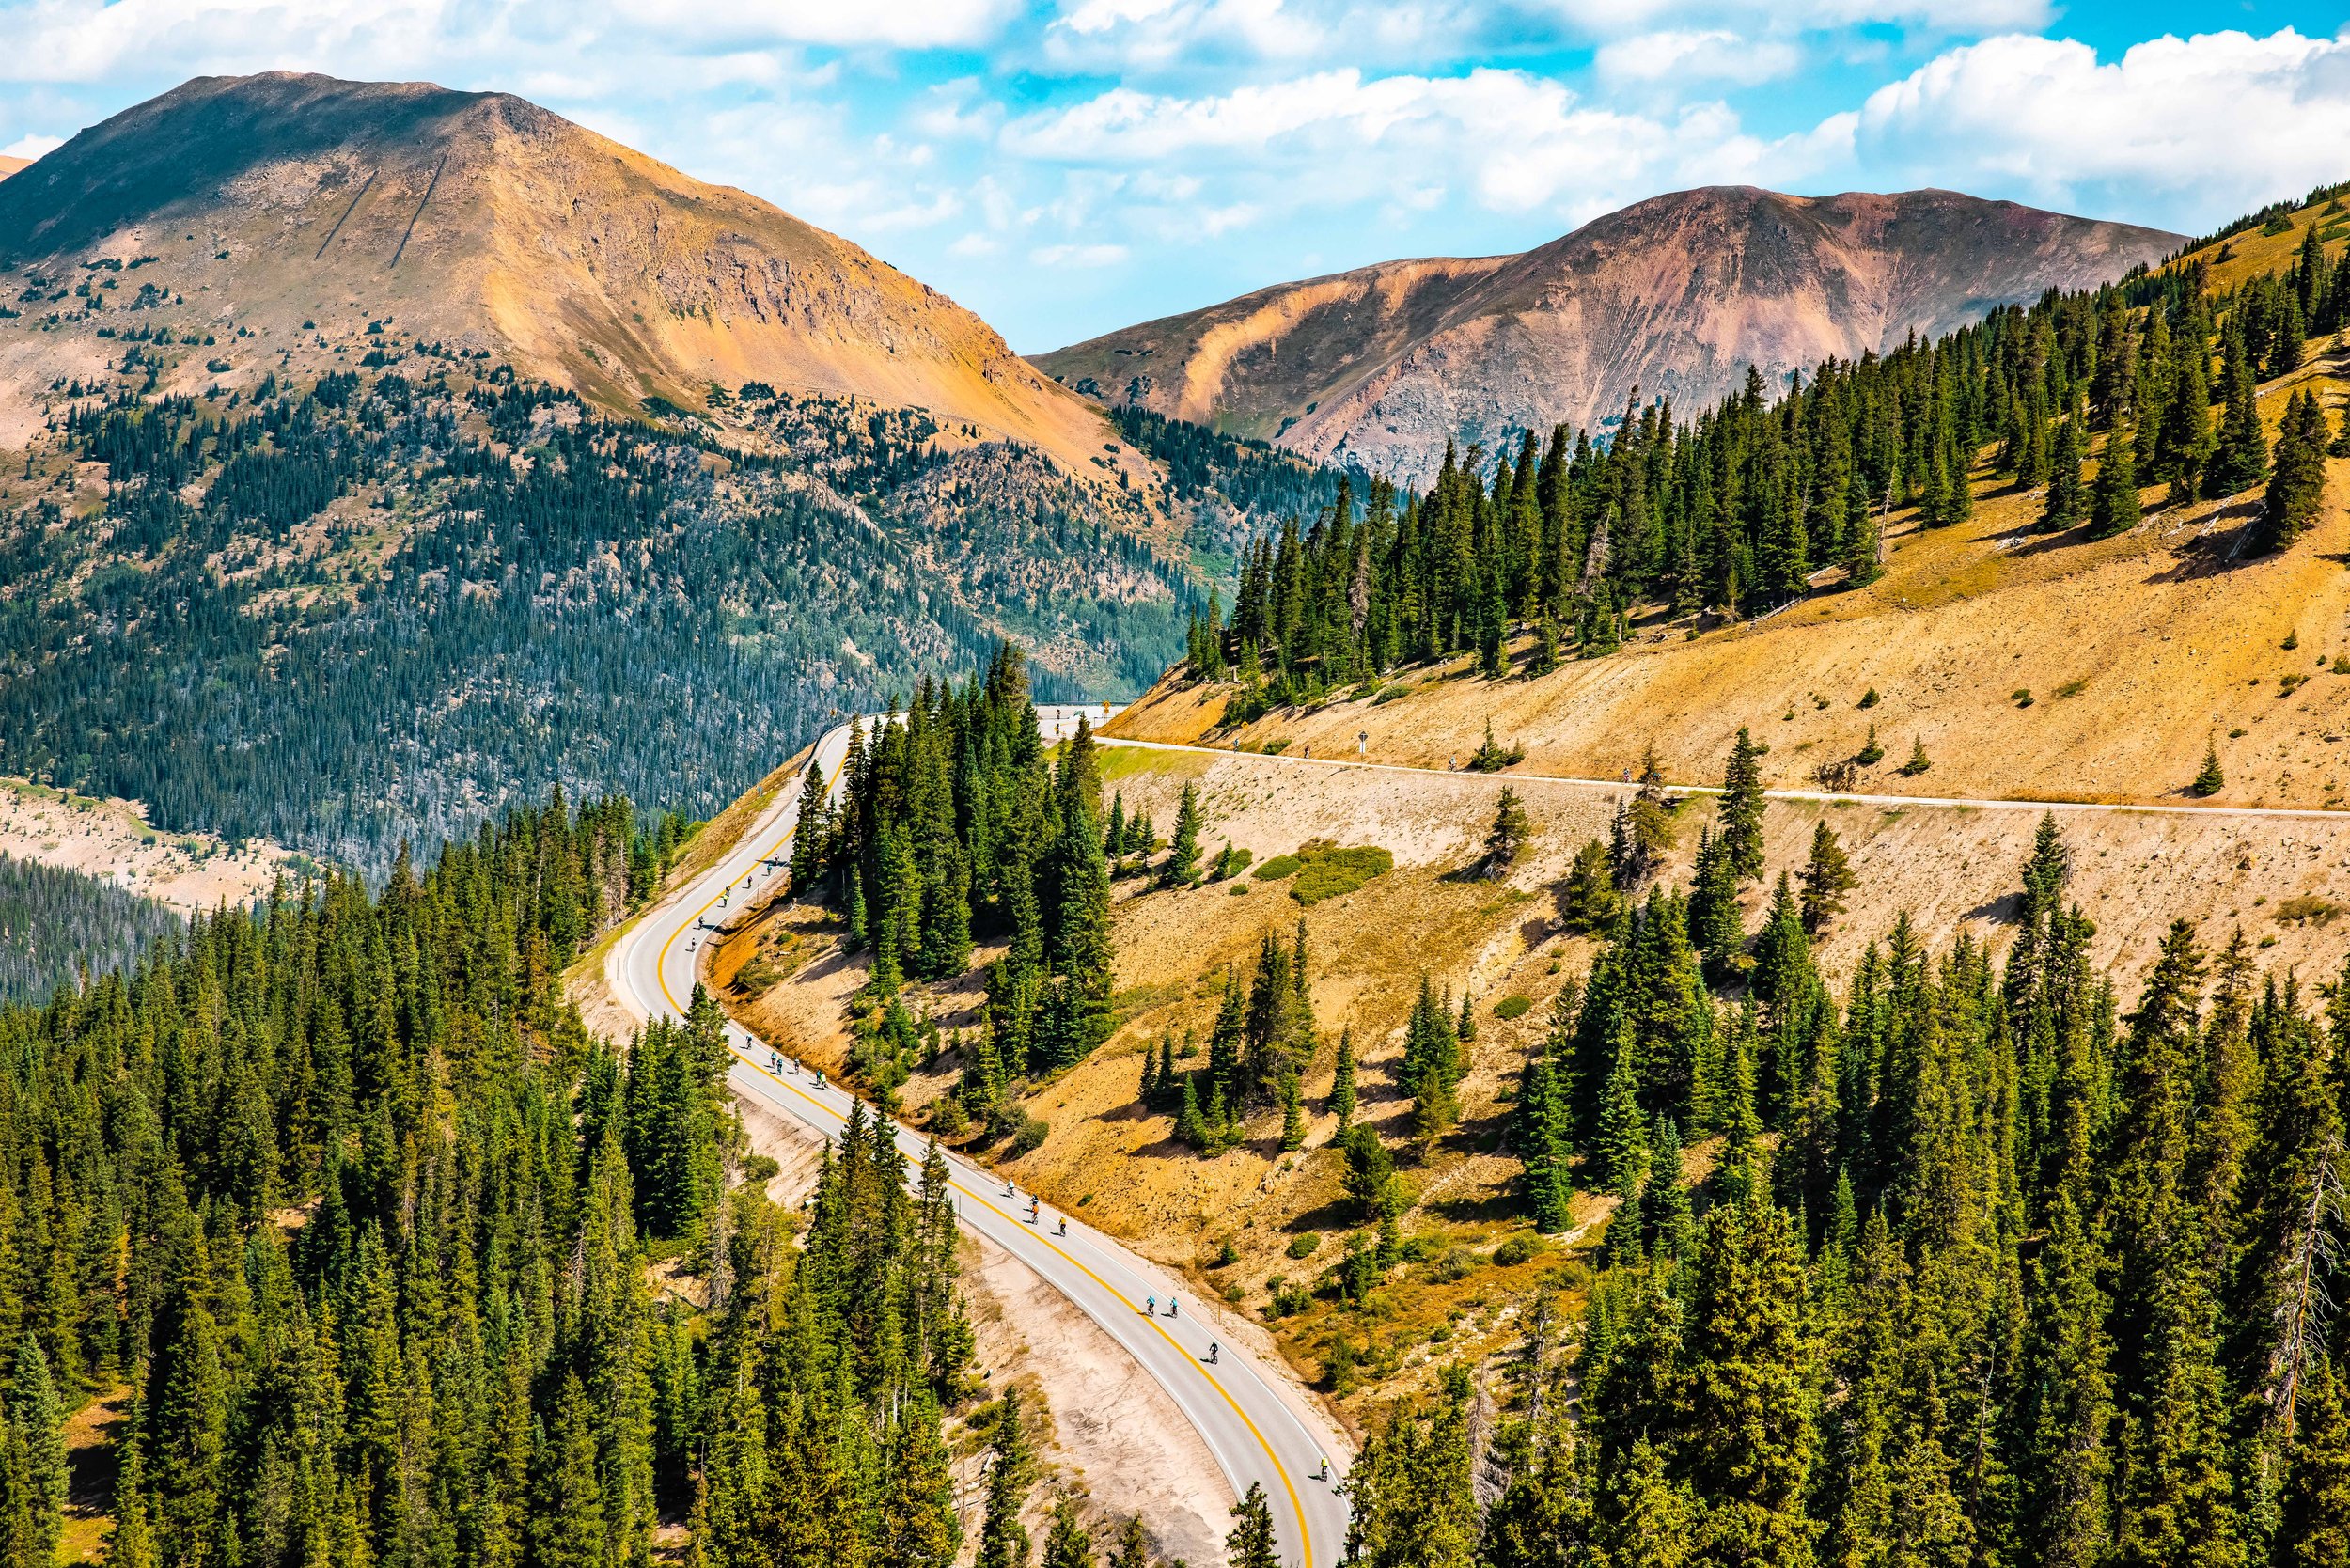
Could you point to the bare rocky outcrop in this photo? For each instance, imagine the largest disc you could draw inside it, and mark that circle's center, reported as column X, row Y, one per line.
column 1674, row 297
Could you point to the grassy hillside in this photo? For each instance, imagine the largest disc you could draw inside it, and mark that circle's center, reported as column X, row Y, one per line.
column 2134, row 652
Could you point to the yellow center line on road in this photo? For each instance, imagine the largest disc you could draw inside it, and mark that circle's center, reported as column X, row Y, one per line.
column 661, row 964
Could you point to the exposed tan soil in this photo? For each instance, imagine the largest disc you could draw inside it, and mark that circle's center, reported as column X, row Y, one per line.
column 111, row 840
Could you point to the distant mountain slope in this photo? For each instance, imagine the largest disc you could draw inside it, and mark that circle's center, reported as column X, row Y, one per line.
column 1674, row 297
column 485, row 222
column 10, row 166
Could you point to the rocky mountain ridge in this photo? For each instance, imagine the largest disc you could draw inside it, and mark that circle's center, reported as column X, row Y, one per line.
column 1674, row 297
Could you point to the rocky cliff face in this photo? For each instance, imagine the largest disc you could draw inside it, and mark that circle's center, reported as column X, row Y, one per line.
column 1674, row 297
column 293, row 208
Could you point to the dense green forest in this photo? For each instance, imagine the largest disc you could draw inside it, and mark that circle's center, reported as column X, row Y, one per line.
column 57, row 925
column 370, row 609
column 952, row 825
column 1737, row 511
column 1982, row 1269
column 342, row 1199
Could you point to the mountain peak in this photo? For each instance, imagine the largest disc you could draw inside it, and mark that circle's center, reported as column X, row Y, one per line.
column 487, row 223
column 1675, row 295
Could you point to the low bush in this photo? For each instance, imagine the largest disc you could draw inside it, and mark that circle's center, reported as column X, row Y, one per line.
column 1338, row 871
column 1456, row 1263
column 1513, row 1006
column 1303, row 1244
column 1517, row 1249
column 1277, row 868
column 1030, row 1136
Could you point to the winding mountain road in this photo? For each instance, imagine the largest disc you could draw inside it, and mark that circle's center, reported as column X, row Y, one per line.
column 1245, row 1413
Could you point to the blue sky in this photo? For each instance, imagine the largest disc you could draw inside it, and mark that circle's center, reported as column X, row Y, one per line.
column 1068, row 166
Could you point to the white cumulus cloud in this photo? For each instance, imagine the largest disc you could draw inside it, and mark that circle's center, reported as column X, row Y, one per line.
column 2207, row 126
column 1078, row 256
column 1714, row 53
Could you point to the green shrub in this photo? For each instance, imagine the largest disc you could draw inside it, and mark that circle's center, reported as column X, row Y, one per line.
column 1513, row 1006
column 2310, row 908
column 759, row 1169
column 1303, row 1244
column 1226, row 1254
column 1391, row 694
column 1031, row 1136
column 1277, row 868
column 1334, row 872
column 1456, row 1263
column 1517, row 1249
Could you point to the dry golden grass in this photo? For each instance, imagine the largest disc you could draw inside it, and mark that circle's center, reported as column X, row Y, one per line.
column 2163, row 638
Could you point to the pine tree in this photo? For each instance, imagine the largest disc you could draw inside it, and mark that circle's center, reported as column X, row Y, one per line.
column 1621, row 1138
column 2240, row 454
column 569, row 1501
column 1741, row 807
column 2211, row 780
column 35, row 1422
column 1918, row 763
column 1506, row 839
column 810, row 828
column 2068, row 1413
column 1251, row 1542
column 1003, row 1540
column 1541, row 1136
column 1342, row 1103
column 1370, row 1176
column 1292, row 1114
column 2313, row 1526
column 1588, row 902
column 1134, row 1544
column 2296, row 485
column 1191, row 1127
column 1069, row 1543
column 1716, row 923
column 2065, row 503
column 1182, row 861
column 1828, row 876
column 1752, row 1445
column 2113, row 503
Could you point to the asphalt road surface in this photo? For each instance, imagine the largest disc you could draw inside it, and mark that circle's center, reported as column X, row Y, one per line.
column 1243, row 1412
